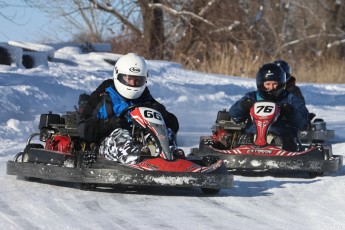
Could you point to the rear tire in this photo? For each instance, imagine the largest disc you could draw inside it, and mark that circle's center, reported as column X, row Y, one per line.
column 315, row 174
column 209, row 160
column 88, row 187
column 210, row 191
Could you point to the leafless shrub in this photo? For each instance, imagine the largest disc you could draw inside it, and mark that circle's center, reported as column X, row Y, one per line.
column 231, row 37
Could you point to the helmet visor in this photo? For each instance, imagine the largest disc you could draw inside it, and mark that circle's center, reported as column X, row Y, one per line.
column 271, row 93
column 131, row 80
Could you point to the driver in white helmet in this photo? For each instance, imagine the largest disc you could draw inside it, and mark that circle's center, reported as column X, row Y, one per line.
column 100, row 122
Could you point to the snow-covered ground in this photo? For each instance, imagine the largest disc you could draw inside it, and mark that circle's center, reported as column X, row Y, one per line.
column 263, row 202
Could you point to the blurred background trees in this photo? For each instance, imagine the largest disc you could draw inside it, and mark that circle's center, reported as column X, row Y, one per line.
column 232, row 37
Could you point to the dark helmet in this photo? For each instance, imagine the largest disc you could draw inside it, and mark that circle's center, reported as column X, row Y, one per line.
column 285, row 67
column 270, row 72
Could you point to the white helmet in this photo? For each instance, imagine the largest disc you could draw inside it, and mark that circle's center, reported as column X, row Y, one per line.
column 130, row 75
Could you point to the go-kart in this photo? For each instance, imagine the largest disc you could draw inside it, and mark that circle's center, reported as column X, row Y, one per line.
column 316, row 131
column 263, row 152
column 60, row 155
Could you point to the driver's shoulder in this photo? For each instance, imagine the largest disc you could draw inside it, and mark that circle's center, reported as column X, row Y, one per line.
column 104, row 85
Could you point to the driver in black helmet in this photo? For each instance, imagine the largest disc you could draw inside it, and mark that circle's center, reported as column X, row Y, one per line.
column 290, row 80
column 271, row 83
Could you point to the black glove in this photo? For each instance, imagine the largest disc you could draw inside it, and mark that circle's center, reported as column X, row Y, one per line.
column 285, row 109
column 247, row 104
column 118, row 122
column 311, row 116
column 154, row 105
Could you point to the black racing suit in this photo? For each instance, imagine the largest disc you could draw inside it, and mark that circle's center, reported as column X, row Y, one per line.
column 112, row 134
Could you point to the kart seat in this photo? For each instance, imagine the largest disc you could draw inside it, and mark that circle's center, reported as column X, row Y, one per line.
column 223, row 115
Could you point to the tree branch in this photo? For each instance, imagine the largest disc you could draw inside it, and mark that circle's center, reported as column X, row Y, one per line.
column 309, row 37
column 207, row 7
column 112, row 11
column 227, row 28
column 336, row 43
column 180, row 13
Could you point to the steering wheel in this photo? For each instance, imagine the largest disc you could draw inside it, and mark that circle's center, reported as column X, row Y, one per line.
column 124, row 112
column 131, row 107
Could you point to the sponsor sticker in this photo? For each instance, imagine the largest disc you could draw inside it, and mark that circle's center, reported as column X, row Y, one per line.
column 134, row 69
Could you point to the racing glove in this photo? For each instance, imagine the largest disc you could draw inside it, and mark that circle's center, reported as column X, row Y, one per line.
column 246, row 104
column 286, row 109
column 118, row 122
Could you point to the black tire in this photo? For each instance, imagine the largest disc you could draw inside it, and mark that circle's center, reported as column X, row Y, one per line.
column 210, row 191
column 209, row 160
column 315, row 174
column 87, row 187
column 80, row 162
column 5, row 57
column 32, row 179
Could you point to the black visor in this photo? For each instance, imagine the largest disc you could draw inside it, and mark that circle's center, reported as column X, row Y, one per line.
column 132, row 81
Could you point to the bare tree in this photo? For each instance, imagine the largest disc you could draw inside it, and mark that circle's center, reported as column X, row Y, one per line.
column 299, row 26
column 154, row 37
column 79, row 18
column 196, row 32
column 150, row 27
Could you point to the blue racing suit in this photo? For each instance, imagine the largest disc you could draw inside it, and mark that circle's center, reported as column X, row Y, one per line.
column 286, row 125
